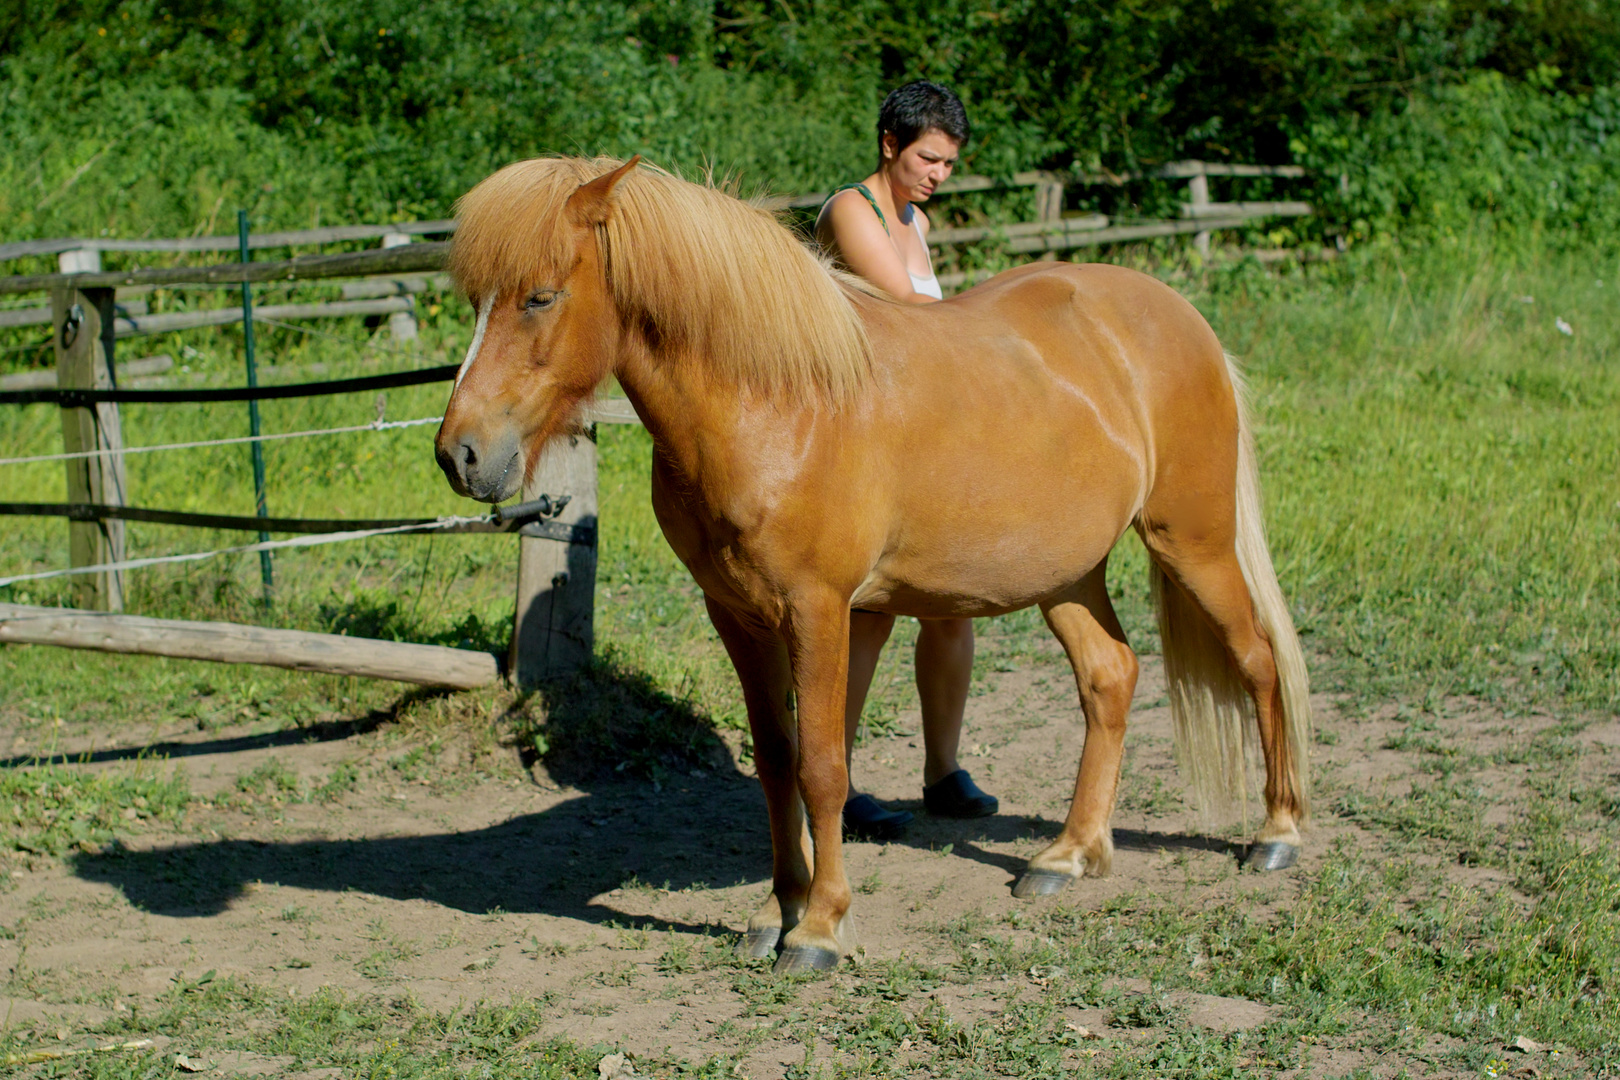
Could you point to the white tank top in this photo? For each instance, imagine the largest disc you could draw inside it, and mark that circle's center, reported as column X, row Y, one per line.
column 927, row 286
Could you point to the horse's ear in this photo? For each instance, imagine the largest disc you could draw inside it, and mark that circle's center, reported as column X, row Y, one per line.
column 591, row 203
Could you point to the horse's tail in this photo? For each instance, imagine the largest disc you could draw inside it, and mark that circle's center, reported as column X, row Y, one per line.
column 1216, row 735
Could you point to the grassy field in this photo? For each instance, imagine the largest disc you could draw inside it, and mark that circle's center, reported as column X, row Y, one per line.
column 1443, row 483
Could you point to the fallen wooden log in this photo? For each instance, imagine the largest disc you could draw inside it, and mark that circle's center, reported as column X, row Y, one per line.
column 233, row 643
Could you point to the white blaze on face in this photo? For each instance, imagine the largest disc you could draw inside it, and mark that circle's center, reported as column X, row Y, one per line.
column 477, row 341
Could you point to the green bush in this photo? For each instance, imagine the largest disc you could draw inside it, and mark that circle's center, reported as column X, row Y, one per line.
column 160, row 116
column 1517, row 156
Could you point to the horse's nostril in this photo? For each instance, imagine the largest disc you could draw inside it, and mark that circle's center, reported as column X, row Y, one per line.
column 468, row 457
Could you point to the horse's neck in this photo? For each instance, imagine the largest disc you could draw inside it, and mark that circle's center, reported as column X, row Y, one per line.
column 683, row 407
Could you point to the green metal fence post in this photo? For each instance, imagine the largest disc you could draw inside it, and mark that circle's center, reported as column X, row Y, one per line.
column 265, row 570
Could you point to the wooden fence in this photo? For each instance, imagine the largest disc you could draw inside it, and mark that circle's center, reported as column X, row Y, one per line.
column 89, row 309
column 556, row 578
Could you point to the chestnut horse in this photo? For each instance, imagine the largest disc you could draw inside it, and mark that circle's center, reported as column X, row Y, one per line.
column 819, row 446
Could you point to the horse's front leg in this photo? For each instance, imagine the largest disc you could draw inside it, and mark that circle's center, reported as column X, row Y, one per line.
column 818, row 640
column 761, row 659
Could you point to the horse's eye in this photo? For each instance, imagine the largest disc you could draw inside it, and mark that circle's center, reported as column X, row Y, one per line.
column 541, row 300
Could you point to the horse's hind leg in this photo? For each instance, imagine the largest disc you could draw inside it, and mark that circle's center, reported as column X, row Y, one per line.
column 1206, row 571
column 1105, row 669
column 761, row 660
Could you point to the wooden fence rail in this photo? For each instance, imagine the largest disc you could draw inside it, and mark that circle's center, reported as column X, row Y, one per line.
column 128, row 323
column 408, row 259
column 257, row 241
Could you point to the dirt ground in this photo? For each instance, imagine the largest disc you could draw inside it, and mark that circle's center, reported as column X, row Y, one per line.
column 455, row 888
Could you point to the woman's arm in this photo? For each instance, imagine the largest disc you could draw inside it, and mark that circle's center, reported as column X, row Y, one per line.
column 851, row 228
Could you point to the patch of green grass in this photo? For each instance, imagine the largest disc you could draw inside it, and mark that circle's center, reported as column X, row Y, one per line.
column 55, row 809
column 379, row 963
column 269, row 780
column 614, row 717
column 343, row 779
column 1150, row 1010
column 686, row 955
column 898, row 980
column 413, row 765
column 1441, row 478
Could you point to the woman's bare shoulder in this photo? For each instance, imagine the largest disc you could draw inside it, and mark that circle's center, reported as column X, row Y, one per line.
column 851, row 205
column 847, row 216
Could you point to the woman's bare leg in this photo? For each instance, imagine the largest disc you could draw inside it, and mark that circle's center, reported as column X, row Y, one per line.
column 944, row 673
column 868, row 631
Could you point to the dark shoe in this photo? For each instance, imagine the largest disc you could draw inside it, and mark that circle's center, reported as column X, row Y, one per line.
column 866, row 819
column 956, row 796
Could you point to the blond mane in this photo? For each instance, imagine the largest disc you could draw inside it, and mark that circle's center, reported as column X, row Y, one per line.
column 707, row 276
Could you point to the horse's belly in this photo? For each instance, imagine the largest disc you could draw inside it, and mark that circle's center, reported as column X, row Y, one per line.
column 988, row 568
column 998, row 520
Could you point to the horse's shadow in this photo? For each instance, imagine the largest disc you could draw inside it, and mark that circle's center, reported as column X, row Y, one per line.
column 662, row 804
column 967, row 838
column 555, row 862
column 689, row 819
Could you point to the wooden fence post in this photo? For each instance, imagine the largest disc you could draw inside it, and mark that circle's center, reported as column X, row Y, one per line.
column 1198, row 195
column 401, row 324
column 82, row 331
column 1049, row 202
column 554, row 630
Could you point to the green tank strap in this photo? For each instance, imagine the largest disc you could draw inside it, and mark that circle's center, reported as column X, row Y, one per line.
column 865, row 194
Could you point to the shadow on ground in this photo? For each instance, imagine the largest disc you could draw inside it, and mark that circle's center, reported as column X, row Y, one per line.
column 326, row 731
column 558, row 862
column 663, row 804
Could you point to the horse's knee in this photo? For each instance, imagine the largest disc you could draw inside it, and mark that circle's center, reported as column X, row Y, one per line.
column 1111, row 681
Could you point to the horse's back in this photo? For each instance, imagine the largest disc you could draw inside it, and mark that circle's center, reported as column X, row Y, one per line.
column 1121, row 335
column 1015, row 429
column 1129, row 310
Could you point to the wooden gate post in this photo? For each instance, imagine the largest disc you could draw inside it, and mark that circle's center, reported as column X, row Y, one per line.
column 401, row 324
column 554, row 630
column 1197, row 197
column 82, row 333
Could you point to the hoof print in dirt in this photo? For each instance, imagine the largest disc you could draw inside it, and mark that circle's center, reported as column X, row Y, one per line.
column 1271, row 856
column 1041, row 883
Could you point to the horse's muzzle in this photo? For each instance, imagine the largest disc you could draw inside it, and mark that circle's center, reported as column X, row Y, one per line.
column 488, row 473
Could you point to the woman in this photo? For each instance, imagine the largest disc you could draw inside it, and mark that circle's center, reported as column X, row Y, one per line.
column 876, row 230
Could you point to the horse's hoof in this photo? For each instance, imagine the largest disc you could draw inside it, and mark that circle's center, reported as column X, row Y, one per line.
column 797, row 958
column 759, row 944
column 1271, row 855
column 1041, row 883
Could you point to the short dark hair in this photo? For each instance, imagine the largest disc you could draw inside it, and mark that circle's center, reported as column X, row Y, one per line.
column 912, row 110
